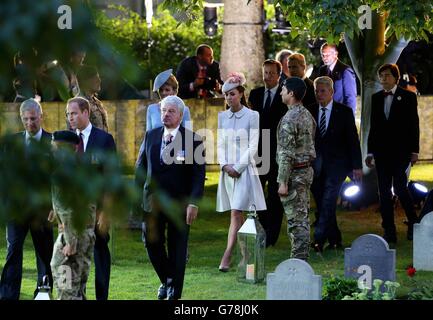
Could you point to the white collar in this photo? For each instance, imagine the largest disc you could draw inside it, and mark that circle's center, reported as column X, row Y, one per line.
column 172, row 132
column 392, row 90
column 238, row 114
column 327, row 107
column 85, row 132
column 332, row 66
column 273, row 90
column 37, row 136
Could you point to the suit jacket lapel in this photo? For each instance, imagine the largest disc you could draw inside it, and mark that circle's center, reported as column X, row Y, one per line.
column 156, row 155
column 395, row 102
column 332, row 117
column 91, row 140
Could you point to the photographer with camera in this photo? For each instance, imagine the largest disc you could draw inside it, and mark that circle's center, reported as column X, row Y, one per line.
column 199, row 76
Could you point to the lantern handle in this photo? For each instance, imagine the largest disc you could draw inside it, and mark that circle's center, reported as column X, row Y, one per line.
column 252, row 211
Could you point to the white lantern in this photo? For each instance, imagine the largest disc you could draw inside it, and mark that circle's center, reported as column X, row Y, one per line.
column 251, row 250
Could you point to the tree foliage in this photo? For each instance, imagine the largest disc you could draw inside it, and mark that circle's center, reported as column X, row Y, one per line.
column 29, row 26
column 163, row 45
column 410, row 19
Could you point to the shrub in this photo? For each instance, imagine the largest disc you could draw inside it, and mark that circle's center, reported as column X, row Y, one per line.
column 375, row 293
column 336, row 288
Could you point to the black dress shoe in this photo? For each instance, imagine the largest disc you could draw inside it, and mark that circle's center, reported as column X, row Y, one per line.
column 162, row 292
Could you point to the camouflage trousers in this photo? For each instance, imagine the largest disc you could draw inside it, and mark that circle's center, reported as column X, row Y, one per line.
column 70, row 273
column 296, row 207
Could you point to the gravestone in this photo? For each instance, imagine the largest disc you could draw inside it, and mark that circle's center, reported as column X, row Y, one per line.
column 293, row 279
column 368, row 259
column 423, row 243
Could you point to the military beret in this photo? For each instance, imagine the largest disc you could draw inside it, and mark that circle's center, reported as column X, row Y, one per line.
column 66, row 136
column 161, row 79
column 295, row 84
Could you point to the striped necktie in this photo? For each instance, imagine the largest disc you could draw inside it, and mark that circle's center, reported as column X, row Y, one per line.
column 322, row 123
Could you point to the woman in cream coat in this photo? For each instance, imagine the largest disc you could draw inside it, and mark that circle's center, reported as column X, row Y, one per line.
column 239, row 186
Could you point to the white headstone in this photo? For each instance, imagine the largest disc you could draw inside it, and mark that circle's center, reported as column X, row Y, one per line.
column 368, row 259
column 423, row 243
column 293, row 279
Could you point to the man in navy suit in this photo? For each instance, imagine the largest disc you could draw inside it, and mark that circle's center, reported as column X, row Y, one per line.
column 173, row 164
column 338, row 154
column 199, row 76
column 36, row 222
column 96, row 142
column 343, row 76
column 266, row 100
column 393, row 144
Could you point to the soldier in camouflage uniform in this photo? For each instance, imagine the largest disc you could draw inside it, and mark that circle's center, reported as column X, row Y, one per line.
column 73, row 250
column 295, row 151
column 90, row 85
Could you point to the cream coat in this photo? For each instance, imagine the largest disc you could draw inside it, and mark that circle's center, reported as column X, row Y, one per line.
column 238, row 139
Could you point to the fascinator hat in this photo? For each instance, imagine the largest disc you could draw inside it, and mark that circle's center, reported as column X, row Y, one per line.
column 161, row 79
column 234, row 80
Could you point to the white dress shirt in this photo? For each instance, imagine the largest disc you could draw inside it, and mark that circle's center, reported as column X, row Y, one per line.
column 37, row 136
column 328, row 111
column 388, row 101
column 273, row 92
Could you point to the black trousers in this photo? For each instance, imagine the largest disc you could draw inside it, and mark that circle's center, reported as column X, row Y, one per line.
column 43, row 241
column 325, row 189
column 167, row 253
column 271, row 219
column 102, row 258
column 392, row 173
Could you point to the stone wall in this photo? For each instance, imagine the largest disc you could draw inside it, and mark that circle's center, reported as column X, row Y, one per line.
column 127, row 122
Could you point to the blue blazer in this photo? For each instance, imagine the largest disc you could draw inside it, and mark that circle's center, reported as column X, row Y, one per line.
column 344, row 84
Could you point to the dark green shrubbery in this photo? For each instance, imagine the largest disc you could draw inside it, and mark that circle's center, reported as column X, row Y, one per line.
column 336, row 288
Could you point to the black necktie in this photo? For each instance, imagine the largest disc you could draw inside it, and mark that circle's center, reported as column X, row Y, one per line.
column 322, row 124
column 268, row 101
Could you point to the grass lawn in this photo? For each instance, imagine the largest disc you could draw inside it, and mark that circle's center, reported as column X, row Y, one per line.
column 133, row 278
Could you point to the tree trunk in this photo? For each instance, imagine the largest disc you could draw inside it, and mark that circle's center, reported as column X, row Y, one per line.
column 368, row 52
column 242, row 41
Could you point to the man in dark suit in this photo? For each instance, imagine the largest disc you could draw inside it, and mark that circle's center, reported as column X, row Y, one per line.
column 393, row 144
column 338, row 154
column 199, row 76
column 32, row 219
column 341, row 74
column 267, row 102
column 96, row 142
column 173, row 164
column 297, row 67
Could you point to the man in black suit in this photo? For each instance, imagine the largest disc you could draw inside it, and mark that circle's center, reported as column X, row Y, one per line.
column 393, row 144
column 32, row 219
column 96, row 142
column 199, row 76
column 267, row 102
column 297, row 67
column 174, row 166
column 338, row 154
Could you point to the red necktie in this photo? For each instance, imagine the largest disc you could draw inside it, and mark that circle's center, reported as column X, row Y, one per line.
column 80, row 147
column 389, row 93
